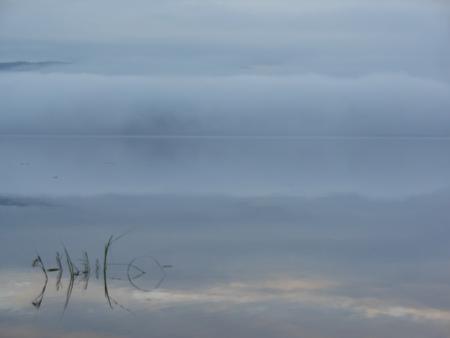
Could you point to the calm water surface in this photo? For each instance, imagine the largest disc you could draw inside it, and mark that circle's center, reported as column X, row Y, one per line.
column 224, row 237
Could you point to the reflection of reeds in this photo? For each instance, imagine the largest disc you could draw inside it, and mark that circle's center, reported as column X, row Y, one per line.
column 110, row 299
column 72, row 273
column 97, row 269
column 105, row 266
column 141, row 272
column 86, row 270
column 69, row 263
column 37, row 262
column 69, row 292
column 38, row 300
column 60, row 272
column 85, row 273
column 52, row 269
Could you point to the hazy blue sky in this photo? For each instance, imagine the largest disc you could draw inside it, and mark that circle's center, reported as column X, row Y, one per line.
column 226, row 67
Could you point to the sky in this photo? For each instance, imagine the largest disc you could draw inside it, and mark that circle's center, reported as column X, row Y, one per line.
column 257, row 68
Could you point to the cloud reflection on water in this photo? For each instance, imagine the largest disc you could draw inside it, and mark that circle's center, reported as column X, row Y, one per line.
column 322, row 294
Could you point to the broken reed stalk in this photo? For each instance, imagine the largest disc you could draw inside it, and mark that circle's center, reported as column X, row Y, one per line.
column 58, row 262
column 86, row 270
column 38, row 300
column 69, row 263
column 60, row 272
column 87, row 266
column 72, row 273
column 97, row 269
column 37, row 262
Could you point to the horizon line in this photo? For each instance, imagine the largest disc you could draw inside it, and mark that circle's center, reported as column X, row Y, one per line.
column 225, row 136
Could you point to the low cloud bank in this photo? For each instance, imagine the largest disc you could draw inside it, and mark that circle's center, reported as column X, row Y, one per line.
column 308, row 105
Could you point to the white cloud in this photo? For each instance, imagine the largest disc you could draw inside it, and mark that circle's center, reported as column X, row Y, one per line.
column 312, row 293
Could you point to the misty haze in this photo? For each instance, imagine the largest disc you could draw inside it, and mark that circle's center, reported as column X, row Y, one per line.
column 217, row 168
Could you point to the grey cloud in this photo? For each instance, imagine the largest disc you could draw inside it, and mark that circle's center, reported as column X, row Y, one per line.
column 27, row 65
column 233, row 37
column 8, row 201
column 146, row 19
column 310, row 105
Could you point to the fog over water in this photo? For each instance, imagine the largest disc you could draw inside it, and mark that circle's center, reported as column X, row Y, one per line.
column 216, row 168
column 223, row 165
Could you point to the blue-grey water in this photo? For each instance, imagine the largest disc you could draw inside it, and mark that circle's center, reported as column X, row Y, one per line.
column 235, row 237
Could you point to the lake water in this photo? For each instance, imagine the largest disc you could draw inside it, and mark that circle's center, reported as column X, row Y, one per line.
column 224, row 237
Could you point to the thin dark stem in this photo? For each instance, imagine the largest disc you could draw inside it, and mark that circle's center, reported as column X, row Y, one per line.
column 105, row 267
